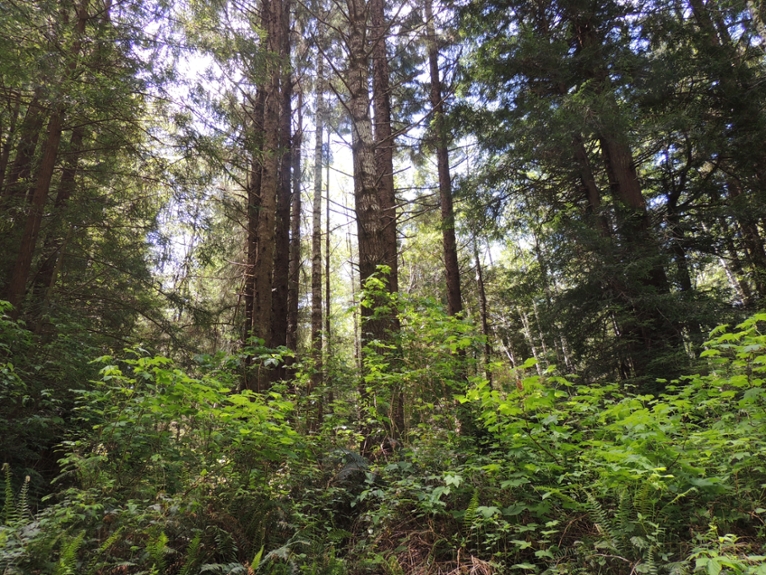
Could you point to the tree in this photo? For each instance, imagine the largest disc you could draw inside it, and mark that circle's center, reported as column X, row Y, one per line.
column 451, row 267
column 565, row 71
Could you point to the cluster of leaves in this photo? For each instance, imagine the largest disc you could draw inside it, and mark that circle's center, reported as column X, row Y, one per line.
column 176, row 475
column 589, row 478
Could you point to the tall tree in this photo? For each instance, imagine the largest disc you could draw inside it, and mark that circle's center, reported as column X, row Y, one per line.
column 449, row 243
column 316, row 226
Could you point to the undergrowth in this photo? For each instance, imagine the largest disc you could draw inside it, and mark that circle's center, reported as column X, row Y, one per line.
column 177, row 474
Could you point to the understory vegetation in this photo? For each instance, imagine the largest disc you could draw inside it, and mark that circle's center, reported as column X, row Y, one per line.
column 170, row 471
column 382, row 287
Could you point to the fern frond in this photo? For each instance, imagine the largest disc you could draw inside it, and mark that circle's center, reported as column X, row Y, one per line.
column 606, row 529
column 192, row 553
column 68, row 556
column 624, row 519
column 643, row 501
column 94, row 564
column 22, row 508
column 9, row 508
column 470, row 512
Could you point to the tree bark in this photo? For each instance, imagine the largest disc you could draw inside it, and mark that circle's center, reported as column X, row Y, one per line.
column 52, row 251
column 449, row 243
column 295, row 232
column 316, row 231
column 21, row 169
column 369, row 212
column 282, row 253
column 253, row 214
column 384, row 140
column 20, row 277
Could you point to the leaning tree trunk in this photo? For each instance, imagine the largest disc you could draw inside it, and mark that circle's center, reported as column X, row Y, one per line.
column 21, row 269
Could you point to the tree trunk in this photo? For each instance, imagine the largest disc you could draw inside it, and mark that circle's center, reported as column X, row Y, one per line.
column 282, row 254
column 369, row 213
column 449, row 243
column 483, row 311
column 6, row 149
column 384, row 140
column 52, row 251
column 316, row 231
column 266, row 228
column 253, row 214
column 21, row 169
column 384, row 167
column 17, row 285
column 295, row 232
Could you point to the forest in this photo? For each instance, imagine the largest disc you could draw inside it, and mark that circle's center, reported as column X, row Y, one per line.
column 382, row 287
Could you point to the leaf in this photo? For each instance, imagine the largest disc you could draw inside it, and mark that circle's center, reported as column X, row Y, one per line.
column 257, row 559
column 455, row 480
column 488, row 511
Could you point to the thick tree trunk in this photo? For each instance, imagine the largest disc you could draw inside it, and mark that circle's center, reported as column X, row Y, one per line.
column 369, row 213
column 20, row 277
column 384, row 140
column 384, row 163
column 21, row 169
column 449, row 243
column 52, row 252
column 265, row 229
column 253, row 212
column 5, row 154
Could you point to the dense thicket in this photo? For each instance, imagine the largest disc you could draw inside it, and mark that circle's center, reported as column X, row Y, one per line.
column 373, row 287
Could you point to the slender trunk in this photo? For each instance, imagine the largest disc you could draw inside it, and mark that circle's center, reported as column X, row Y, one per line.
column 316, row 233
column 282, row 253
column 295, row 233
column 483, row 311
column 449, row 243
column 253, row 213
column 327, row 237
column 327, row 292
column 6, row 149
column 592, row 191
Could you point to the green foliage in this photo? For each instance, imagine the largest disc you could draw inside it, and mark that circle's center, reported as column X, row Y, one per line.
column 164, row 465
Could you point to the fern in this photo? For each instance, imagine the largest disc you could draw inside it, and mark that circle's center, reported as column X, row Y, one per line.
column 192, row 554
column 156, row 548
column 94, row 564
column 22, row 508
column 470, row 512
column 10, row 510
column 605, row 527
column 391, row 566
column 225, row 546
column 68, row 557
